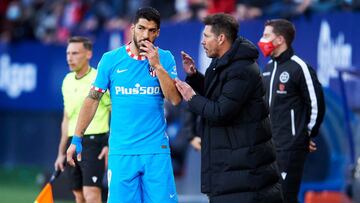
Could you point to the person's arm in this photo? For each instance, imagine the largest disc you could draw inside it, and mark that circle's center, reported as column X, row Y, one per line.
column 235, row 93
column 312, row 93
column 86, row 115
column 59, row 163
column 87, row 111
column 193, row 77
column 166, row 83
column 105, row 101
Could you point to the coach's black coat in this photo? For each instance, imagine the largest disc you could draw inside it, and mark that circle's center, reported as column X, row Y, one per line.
column 237, row 155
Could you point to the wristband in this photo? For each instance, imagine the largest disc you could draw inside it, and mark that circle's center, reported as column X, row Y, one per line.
column 76, row 140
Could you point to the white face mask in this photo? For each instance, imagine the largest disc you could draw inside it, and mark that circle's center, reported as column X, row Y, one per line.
column 13, row 12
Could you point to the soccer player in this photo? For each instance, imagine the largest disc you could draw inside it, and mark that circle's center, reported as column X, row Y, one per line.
column 86, row 176
column 139, row 76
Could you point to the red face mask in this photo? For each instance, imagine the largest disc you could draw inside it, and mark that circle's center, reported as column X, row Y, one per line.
column 266, row 47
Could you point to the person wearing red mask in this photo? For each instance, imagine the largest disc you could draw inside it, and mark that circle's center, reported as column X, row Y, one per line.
column 296, row 103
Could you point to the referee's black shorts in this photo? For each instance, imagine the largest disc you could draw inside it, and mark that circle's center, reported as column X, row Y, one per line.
column 90, row 170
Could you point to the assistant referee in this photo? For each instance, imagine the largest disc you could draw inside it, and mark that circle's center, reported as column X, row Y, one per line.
column 86, row 177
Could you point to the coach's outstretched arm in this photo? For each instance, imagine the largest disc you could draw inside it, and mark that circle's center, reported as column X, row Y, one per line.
column 86, row 115
column 166, row 83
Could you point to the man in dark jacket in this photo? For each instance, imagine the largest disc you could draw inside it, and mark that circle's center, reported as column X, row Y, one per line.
column 237, row 153
column 296, row 103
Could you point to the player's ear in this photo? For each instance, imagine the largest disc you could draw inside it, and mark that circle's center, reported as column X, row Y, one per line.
column 221, row 39
column 89, row 55
column 280, row 40
column 158, row 33
column 132, row 28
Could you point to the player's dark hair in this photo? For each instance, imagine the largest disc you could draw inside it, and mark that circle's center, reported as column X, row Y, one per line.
column 284, row 28
column 223, row 24
column 84, row 40
column 148, row 13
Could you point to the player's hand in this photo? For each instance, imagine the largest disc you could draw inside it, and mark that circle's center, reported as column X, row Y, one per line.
column 196, row 143
column 59, row 163
column 185, row 89
column 104, row 155
column 151, row 52
column 312, row 146
column 75, row 147
column 188, row 64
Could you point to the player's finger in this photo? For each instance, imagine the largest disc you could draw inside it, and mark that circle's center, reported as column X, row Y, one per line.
column 78, row 157
column 185, row 55
column 179, row 88
column 71, row 161
column 149, row 45
column 143, row 49
column 69, row 156
column 178, row 82
column 61, row 166
column 312, row 146
column 106, row 162
column 102, row 154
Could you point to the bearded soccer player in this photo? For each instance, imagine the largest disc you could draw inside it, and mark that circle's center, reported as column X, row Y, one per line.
column 139, row 76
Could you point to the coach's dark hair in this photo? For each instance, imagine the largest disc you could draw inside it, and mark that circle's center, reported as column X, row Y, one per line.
column 149, row 13
column 84, row 40
column 284, row 28
column 223, row 23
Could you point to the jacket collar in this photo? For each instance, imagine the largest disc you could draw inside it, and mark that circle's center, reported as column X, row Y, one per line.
column 286, row 55
column 241, row 49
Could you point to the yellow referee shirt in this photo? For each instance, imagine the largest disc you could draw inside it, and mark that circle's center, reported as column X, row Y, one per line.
column 74, row 92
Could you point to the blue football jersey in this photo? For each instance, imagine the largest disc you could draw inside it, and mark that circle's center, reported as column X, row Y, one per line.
column 137, row 115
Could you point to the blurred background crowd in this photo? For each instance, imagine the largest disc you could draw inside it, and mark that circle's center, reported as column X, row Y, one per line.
column 54, row 21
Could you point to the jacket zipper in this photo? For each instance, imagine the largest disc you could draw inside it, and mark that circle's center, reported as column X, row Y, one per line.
column 272, row 83
column 292, row 122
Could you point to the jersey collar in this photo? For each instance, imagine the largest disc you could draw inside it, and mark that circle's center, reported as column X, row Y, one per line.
column 136, row 57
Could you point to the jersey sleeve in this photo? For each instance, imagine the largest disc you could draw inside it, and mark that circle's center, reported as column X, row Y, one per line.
column 102, row 80
column 170, row 66
column 105, row 100
column 65, row 100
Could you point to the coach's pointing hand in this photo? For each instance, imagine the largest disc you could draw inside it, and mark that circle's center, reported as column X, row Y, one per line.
column 188, row 64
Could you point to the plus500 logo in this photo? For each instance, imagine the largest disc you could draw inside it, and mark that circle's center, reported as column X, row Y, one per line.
column 15, row 78
column 138, row 89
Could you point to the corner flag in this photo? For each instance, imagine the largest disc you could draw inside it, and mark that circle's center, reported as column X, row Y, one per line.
column 46, row 195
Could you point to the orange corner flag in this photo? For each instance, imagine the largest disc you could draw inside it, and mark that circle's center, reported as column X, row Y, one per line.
column 45, row 195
